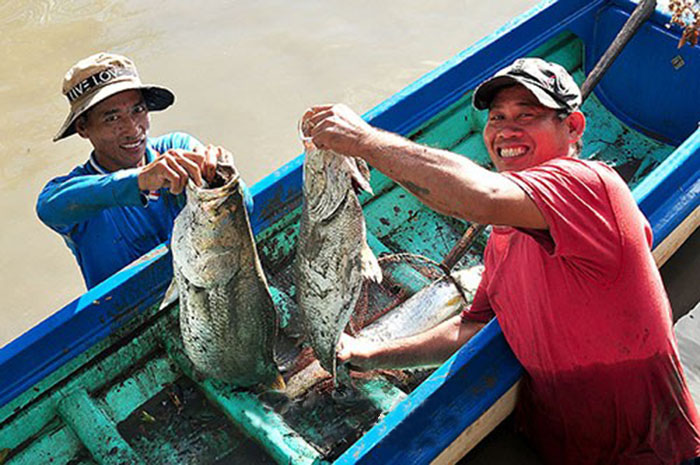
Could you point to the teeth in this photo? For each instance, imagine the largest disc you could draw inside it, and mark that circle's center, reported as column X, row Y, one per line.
column 131, row 146
column 512, row 152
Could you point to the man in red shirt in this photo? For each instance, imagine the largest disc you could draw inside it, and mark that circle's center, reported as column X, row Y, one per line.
column 568, row 273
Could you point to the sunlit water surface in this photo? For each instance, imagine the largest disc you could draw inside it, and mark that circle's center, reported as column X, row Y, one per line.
column 243, row 72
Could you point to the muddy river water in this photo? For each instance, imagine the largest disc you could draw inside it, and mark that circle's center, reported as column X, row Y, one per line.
column 243, row 72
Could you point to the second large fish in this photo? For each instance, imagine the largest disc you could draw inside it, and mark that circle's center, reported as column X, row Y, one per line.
column 227, row 317
column 332, row 257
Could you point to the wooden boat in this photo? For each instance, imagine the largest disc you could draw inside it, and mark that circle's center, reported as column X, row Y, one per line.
column 102, row 381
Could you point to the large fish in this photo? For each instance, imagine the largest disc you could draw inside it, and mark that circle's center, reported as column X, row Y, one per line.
column 427, row 308
column 332, row 257
column 227, row 317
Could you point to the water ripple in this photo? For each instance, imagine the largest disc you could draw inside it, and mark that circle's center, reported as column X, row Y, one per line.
column 26, row 13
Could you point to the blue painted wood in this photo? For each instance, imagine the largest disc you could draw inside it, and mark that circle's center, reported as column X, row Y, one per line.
column 82, row 323
column 672, row 191
column 276, row 195
column 436, row 412
column 642, row 87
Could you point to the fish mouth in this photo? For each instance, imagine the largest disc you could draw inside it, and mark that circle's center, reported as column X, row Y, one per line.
column 225, row 174
column 224, row 183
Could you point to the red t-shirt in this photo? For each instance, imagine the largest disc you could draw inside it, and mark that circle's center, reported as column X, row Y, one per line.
column 583, row 307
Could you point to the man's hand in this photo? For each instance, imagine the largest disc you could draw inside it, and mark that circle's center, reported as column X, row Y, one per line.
column 173, row 168
column 211, row 155
column 428, row 348
column 337, row 128
column 356, row 353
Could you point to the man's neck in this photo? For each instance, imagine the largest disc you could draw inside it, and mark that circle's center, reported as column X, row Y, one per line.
column 105, row 165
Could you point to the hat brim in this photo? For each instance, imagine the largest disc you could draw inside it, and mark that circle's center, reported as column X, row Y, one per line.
column 156, row 97
column 485, row 93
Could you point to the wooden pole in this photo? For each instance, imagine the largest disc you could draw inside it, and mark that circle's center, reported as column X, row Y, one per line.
column 640, row 14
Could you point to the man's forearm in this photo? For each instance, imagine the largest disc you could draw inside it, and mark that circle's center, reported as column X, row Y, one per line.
column 429, row 348
column 68, row 201
column 446, row 182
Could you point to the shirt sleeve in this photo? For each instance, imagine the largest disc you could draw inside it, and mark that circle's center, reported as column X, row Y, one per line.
column 175, row 140
column 573, row 198
column 69, row 200
column 480, row 310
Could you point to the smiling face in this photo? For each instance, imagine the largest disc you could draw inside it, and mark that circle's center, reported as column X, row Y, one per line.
column 521, row 132
column 117, row 129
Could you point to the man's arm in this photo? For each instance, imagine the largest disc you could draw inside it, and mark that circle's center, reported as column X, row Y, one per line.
column 429, row 348
column 69, row 200
column 446, row 182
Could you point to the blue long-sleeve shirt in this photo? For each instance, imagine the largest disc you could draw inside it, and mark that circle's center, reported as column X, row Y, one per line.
column 106, row 221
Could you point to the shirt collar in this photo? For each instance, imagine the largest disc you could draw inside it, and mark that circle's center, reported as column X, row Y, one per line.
column 96, row 166
column 99, row 169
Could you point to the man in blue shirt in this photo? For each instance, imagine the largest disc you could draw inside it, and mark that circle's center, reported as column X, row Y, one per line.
column 122, row 202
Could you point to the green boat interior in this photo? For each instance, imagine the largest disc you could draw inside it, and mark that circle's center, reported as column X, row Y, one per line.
column 133, row 398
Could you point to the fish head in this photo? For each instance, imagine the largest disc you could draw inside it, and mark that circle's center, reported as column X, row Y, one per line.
column 328, row 178
column 326, row 166
column 209, row 232
column 210, row 195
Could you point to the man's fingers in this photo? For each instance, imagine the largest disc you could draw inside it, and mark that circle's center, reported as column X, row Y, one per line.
column 311, row 123
column 192, row 168
column 344, row 348
column 316, row 108
column 313, row 115
column 198, row 164
column 194, row 155
column 304, row 122
column 169, row 178
column 171, row 170
column 181, row 176
column 211, row 157
column 191, row 161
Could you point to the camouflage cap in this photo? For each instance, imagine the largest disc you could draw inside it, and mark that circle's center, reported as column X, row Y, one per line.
column 100, row 76
column 549, row 82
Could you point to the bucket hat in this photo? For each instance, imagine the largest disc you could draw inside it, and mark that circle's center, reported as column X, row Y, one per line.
column 549, row 82
column 97, row 77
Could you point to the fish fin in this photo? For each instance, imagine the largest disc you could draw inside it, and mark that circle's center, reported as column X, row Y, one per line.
column 370, row 268
column 363, row 168
column 278, row 383
column 359, row 173
column 171, row 295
